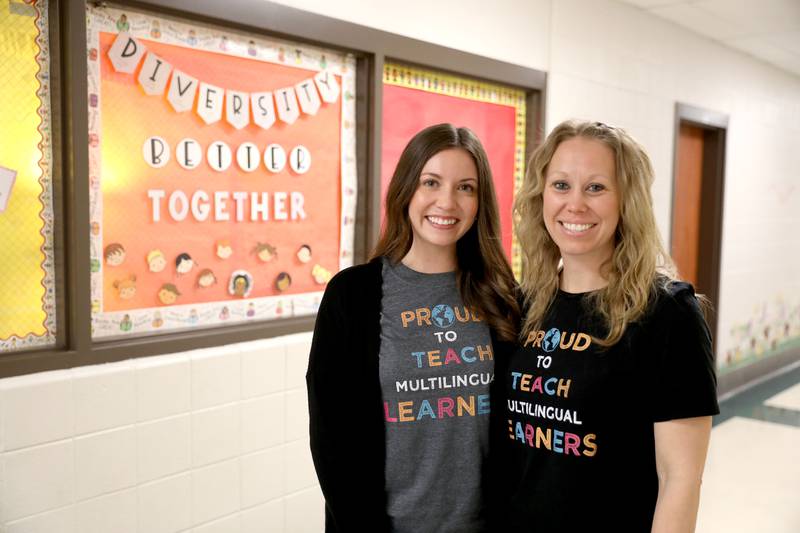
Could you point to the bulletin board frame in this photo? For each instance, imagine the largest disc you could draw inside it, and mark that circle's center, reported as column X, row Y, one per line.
column 294, row 205
column 429, row 96
column 371, row 49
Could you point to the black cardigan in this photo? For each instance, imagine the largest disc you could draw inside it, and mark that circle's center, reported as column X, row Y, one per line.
column 345, row 402
column 348, row 442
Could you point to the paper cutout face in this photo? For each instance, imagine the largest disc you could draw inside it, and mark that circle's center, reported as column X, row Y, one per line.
column 224, row 249
column 224, row 314
column 283, row 281
column 304, row 253
column 241, row 283
column 168, row 294
column 126, row 288
column 156, row 261
column 157, row 320
column 320, row 275
column 184, row 263
column 206, row 278
column 265, row 252
column 114, row 254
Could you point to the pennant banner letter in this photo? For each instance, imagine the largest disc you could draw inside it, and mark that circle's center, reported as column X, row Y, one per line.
column 286, row 103
column 125, row 53
column 209, row 102
column 308, row 97
column 154, row 74
column 327, row 85
column 237, row 109
column 263, row 109
column 182, row 89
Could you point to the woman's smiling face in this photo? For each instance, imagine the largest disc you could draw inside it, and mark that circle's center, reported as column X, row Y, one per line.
column 580, row 201
column 445, row 203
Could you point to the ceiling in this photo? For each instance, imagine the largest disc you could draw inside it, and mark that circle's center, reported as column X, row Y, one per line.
column 768, row 30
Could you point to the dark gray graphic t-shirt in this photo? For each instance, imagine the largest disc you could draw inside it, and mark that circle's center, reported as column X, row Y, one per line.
column 436, row 363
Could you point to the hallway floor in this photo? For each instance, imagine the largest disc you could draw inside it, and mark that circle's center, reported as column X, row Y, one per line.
column 752, row 476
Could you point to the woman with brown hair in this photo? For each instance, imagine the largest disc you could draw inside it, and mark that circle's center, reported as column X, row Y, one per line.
column 403, row 352
column 610, row 394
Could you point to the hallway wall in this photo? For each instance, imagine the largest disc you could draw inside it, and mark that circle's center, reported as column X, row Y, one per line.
column 216, row 440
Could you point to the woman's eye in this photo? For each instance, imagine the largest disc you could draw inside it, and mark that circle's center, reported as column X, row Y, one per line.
column 595, row 187
column 429, row 183
column 560, row 186
column 467, row 187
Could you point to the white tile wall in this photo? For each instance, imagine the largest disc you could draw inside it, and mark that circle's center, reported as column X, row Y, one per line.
column 186, row 442
column 105, row 462
column 37, row 409
column 165, row 505
column 37, row 479
column 216, row 491
column 115, row 512
column 105, row 397
column 163, row 447
column 216, row 434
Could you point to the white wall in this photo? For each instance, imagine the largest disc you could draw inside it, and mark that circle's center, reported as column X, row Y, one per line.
column 216, row 440
column 205, row 441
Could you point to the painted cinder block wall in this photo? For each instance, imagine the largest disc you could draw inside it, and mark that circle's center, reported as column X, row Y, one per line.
column 216, row 440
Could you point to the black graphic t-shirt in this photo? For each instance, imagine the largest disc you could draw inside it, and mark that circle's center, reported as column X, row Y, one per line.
column 577, row 444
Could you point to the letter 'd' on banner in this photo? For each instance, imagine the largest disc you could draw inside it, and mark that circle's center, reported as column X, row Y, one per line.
column 237, row 109
column 154, row 74
column 182, row 89
column 286, row 104
column 307, row 96
column 328, row 86
column 125, row 53
column 210, row 102
column 263, row 109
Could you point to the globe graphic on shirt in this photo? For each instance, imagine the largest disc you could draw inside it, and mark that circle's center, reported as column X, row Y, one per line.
column 550, row 341
column 443, row 315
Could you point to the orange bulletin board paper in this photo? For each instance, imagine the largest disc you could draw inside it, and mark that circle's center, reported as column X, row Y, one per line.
column 131, row 207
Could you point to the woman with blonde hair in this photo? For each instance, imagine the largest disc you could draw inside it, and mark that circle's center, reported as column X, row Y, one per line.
column 403, row 351
column 609, row 397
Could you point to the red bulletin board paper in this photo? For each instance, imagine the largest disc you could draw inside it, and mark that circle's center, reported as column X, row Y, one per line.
column 407, row 111
column 129, row 117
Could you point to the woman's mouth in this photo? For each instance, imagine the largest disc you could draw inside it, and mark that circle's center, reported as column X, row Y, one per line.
column 441, row 222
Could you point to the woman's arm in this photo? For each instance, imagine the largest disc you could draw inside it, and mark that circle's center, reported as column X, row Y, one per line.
column 681, row 447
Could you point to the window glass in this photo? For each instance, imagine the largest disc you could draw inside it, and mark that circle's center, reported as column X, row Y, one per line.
column 27, row 294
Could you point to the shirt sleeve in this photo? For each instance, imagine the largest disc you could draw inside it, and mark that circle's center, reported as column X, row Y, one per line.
column 337, row 439
column 685, row 381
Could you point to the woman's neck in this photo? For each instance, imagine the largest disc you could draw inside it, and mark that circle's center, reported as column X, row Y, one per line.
column 430, row 261
column 579, row 276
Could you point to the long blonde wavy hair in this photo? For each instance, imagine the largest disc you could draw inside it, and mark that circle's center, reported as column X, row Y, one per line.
column 639, row 264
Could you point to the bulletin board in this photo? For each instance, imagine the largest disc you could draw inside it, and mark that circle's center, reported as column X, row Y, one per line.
column 222, row 173
column 414, row 98
column 27, row 267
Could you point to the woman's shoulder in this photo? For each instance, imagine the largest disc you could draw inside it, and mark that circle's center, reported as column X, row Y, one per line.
column 357, row 274
column 675, row 299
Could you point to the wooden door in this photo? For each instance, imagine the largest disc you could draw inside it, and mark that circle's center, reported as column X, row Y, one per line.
column 687, row 202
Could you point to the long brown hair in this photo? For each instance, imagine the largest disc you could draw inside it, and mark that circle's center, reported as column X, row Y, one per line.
column 485, row 281
column 639, row 264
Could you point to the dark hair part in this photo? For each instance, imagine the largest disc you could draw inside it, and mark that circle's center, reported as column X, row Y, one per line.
column 485, row 280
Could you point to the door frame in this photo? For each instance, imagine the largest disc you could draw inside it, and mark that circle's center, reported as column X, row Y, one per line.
column 715, row 126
